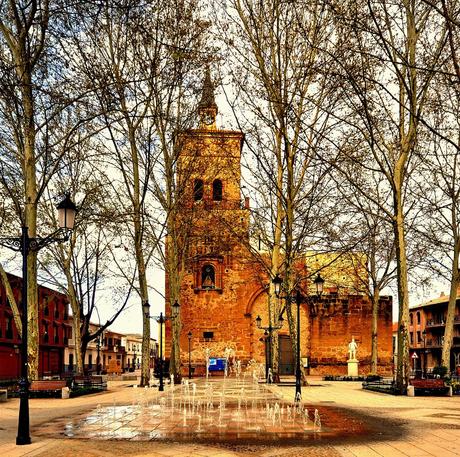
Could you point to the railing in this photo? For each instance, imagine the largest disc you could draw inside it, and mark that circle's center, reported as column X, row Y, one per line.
column 442, row 321
column 435, row 342
column 435, row 322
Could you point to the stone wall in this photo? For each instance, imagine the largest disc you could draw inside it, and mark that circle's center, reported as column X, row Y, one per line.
column 337, row 322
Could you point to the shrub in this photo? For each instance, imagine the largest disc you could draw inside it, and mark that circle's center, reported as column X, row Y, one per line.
column 440, row 371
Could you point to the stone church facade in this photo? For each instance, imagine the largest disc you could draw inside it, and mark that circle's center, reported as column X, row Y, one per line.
column 223, row 286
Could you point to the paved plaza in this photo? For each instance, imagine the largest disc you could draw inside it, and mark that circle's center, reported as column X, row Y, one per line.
column 235, row 418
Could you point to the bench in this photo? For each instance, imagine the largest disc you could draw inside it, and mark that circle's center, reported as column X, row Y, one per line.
column 428, row 387
column 51, row 387
column 95, row 382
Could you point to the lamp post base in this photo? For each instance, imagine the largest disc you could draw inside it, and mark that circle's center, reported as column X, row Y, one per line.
column 21, row 440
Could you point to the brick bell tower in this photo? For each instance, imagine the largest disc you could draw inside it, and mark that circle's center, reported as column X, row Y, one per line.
column 218, row 271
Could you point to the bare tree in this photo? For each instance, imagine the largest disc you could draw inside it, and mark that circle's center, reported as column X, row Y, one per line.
column 34, row 93
column 279, row 95
column 389, row 61
column 137, row 58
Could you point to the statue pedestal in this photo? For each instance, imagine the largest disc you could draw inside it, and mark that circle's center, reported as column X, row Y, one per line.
column 353, row 367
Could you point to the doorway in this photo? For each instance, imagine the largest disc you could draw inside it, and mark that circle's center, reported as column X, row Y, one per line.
column 286, row 355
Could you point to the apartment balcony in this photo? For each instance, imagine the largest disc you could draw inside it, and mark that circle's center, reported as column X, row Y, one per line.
column 434, row 342
column 441, row 322
column 438, row 342
column 435, row 323
column 119, row 349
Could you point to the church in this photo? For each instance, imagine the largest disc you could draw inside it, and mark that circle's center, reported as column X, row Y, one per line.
column 224, row 287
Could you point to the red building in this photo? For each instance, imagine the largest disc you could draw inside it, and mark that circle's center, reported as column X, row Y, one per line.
column 54, row 328
column 426, row 334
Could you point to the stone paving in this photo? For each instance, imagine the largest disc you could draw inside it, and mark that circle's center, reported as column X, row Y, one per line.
column 142, row 422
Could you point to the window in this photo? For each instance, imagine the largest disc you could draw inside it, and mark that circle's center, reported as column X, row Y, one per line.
column 9, row 328
column 70, row 361
column 45, row 333
column 46, row 311
column 217, row 190
column 56, row 334
column 418, row 318
column 411, row 338
column 90, row 361
column 419, row 337
column 208, row 335
column 208, row 277
column 411, row 316
column 56, row 312
column 198, row 190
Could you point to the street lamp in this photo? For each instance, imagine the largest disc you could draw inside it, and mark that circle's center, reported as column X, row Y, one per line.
column 268, row 353
column 319, row 284
column 161, row 319
column 189, row 336
column 24, row 244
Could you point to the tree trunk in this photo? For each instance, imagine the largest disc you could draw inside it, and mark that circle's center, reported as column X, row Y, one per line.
column 450, row 318
column 403, row 368
column 76, row 318
column 30, row 219
column 374, row 330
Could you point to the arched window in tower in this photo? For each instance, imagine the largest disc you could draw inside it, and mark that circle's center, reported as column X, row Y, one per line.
column 198, row 190
column 217, row 190
column 208, row 277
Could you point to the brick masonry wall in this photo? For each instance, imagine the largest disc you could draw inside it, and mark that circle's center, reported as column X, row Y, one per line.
column 218, row 236
column 335, row 325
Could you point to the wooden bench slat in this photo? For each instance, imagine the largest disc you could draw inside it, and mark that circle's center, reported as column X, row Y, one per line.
column 428, row 383
column 47, row 385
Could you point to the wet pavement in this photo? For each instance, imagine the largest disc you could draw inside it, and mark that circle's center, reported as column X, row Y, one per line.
column 245, row 418
column 225, row 410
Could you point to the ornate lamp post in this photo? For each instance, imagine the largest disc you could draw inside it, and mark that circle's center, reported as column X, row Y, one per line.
column 25, row 244
column 319, row 283
column 269, row 332
column 161, row 319
column 189, row 336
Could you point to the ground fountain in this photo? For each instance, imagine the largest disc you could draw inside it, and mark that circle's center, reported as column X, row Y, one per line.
column 235, row 404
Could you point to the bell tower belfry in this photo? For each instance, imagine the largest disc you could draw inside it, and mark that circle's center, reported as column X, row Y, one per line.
column 216, row 267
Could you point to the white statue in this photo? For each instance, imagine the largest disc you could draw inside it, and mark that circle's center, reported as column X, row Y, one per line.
column 352, row 348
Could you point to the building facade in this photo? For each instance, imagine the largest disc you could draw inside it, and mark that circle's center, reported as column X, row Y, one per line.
column 427, row 323
column 94, row 352
column 54, row 325
column 224, row 287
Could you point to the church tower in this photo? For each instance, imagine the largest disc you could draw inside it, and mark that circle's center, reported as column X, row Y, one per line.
column 223, row 287
column 218, row 269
